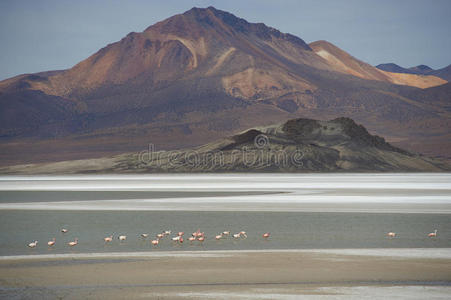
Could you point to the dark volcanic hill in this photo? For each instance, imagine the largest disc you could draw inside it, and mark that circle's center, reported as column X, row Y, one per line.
column 298, row 145
column 199, row 76
column 394, row 68
column 421, row 69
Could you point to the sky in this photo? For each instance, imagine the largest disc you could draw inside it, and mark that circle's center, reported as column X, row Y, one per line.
column 41, row 35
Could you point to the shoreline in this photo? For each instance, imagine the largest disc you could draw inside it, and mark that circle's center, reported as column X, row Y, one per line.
column 284, row 275
column 430, row 253
column 232, row 206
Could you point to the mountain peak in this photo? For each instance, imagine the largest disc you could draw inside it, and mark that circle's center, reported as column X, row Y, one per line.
column 394, row 68
column 211, row 15
column 223, row 22
column 346, row 129
column 422, row 68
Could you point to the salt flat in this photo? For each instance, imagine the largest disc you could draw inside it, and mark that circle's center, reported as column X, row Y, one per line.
column 382, row 193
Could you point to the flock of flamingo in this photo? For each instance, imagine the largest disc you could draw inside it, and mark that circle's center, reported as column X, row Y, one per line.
column 178, row 238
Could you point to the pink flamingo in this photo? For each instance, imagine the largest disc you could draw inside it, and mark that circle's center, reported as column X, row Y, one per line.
column 391, row 234
column 74, row 243
column 155, row 242
column 433, row 234
column 108, row 239
column 266, row 235
column 33, row 244
column 52, row 242
column 197, row 233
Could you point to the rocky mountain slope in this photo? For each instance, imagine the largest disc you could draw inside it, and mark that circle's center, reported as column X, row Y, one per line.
column 298, row 145
column 199, row 76
column 343, row 62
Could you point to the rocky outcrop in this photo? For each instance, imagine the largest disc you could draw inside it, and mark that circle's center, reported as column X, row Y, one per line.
column 298, row 145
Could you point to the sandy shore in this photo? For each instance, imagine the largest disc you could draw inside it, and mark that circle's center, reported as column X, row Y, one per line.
column 231, row 275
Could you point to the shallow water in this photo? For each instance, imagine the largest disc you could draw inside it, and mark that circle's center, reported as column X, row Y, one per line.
column 302, row 211
column 295, row 230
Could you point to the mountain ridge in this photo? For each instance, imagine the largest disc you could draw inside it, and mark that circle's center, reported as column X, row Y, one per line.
column 193, row 78
column 444, row 73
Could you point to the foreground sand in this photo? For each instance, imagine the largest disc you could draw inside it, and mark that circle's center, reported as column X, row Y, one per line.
column 230, row 275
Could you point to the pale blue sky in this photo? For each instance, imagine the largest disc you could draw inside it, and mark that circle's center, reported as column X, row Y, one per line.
column 40, row 35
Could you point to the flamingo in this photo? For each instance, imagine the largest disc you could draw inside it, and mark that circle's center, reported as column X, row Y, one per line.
column 33, row 244
column 433, row 234
column 218, row 237
column 226, row 233
column 391, row 234
column 155, row 242
column 181, row 233
column 236, row 235
column 108, row 239
column 51, row 243
column 176, row 238
column 197, row 233
column 122, row 238
column 266, row 235
column 74, row 243
column 160, row 235
column 64, row 230
column 243, row 233
column 167, row 232
column 201, row 238
column 191, row 238
column 180, row 240
column 144, row 235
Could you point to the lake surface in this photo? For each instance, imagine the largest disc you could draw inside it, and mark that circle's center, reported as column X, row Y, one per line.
column 297, row 230
column 302, row 211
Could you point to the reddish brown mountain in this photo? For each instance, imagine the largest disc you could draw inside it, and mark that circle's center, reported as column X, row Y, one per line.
column 196, row 77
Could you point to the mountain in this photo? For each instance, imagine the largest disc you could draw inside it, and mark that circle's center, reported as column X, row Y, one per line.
column 444, row 73
column 345, row 63
column 394, row 68
column 199, row 76
column 421, row 69
column 298, row 145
